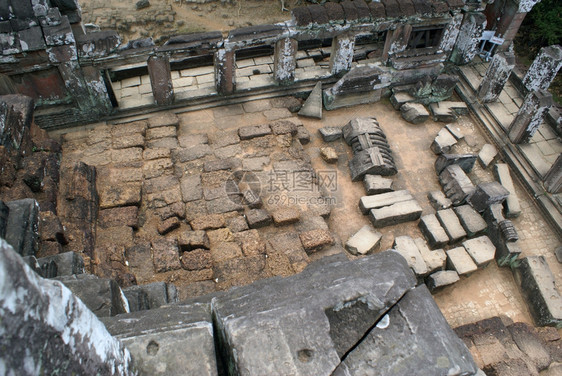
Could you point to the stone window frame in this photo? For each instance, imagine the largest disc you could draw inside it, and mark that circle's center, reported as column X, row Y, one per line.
column 431, row 41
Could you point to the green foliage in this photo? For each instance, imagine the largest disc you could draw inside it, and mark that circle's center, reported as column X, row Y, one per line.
column 542, row 26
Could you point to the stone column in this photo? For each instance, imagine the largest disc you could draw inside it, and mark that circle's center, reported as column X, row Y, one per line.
column 496, row 76
column 396, row 41
column 450, row 34
column 225, row 71
column 161, row 79
column 530, row 116
column 285, row 61
column 98, row 89
column 544, row 69
column 468, row 40
column 342, row 53
column 553, row 178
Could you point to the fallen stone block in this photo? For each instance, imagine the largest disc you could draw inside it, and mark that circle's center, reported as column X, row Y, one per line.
column 443, row 142
column 471, row 220
column 367, row 203
column 440, row 279
column 360, row 126
column 487, row 194
column 303, row 135
column 22, row 226
column 465, row 161
column 313, row 337
column 374, row 160
column 442, row 113
column 387, row 349
column 253, row 131
column 438, row 200
column 101, row 295
column 364, row 241
column 375, row 184
column 312, row 107
column 432, row 231
column 481, row 249
column 258, row 218
column 330, row 134
column 456, row 184
column 507, row 253
column 460, row 261
column 539, row 288
column 414, row 113
column 399, row 98
column 455, row 129
column 451, row 224
column 487, row 155
column 67, row 263
column 168, row 225
column 529, row 342
column 512, row 206
column 435, row 260
column 329, row 155
column 399, row 212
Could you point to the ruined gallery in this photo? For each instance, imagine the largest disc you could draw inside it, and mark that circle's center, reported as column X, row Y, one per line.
column 363, row 188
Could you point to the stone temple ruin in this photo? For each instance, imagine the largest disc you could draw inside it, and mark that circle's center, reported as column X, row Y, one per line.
column 329, row 195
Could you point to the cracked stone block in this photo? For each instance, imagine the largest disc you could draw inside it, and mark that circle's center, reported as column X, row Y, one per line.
column 435, row 260
column 460, row 261
column 399, row 212
column 456, row 184
column 67, row 263
column 465, row 161
column 258, row 218
column 375, row 184
column 487, row 155
column 408, row 249
column 315, row 335
column 364, row 241
column 441, row 279
column 330, row 134
column 512, row 205
column 414, row 113
column 438, row 200
column 451, row 224
column 432, row 231
column 380, row 200
column 387, row 348
column 314, row 240
column 312, row 107
column 481, row 249
column 443, row 142
column 249, row 132
column 471, row 220
column 329, row 155
column 539, row 288
column 487, row 194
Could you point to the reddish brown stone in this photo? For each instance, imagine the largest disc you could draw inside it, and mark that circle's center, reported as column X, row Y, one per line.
column 197, row 259
column 50, row 227
column 165, row 255
column 251, row 242
column 225, row 251
column 286, row 215
column 316, row 239
column 49, row 248
column 126, row 215
column 208, row 222
column 190, row 240
column 168, row 225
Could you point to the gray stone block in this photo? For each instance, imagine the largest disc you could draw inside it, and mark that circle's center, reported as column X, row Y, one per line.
column 460, row 261
column 443, row 142
column 481, row 249
column 487, row 155
column 408, row 249
column 4, row 212
column 22, row 226
column 359, row 126
column 253, row 131
column 175, row 340
column 399, row 98
column 512, row 206
column 465, row 161
column 364, row 241
column 387, row 349
column 258, row 218
column 435, row 260
column 432, row 231
column 558, row 253
column 330, row 134
column 455, row 129
column 400, row 212
column 438, row 200
column 456, row 184
column 414, row 113
column 487, row 194
column 367, row 203
column 150, row 296
column 265, row 329
column 451, row 224
column 312, row 107
column 539, row 288
column 471, row 220
column 67, row 263
column 507, row 253
column 375, row 184
column 441, row 279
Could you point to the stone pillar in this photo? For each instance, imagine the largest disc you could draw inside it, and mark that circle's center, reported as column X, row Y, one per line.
column 473, row 25
column 496, row 76
column 98, row 89
column 544, row 69
column 161, row 79
column 530, row 116
column 342, row 53
column 225, row 71
column 553, row 178
column 285, row 61
column 396, row 41
column 450, row 34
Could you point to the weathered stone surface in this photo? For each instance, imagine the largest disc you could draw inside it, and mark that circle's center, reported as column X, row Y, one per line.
column 157, row 339
column 466, row 46
column 373, row 160
column 433, row 232
column 198, row 259
column 190, row 240
column 487, row 194
column 512, row 206
column 76, row 340
column 258, row 218
column 161, row 79
column 399, row 212
column 364, row 241
column 544, row 68
column 4, row 212
column 330, row 134
column 480, row 249
column 496, row 76
column 451, row 224
column 526, row 338
column 22, row 226
column 165, row 255
column 465, row 161
column 208, row 222
column 67, row 263
column 152, row 295
column 113, row 195
column 222, row 205
column 438, row 200
column 126, row 215
column 487, row 155
column 164, row 119
column 438, row 348
column 315, row 240
column 539, row 288
column 460, row 261
column 530, row 116
column 329, row 154
column 190, row 154
column 441, row 279
column 456, row 184
column 191, row 189
column 443, row 142
column 399, row 98
column 319, row 332
column 471, row 220
column 414, row 113
column 249, row 132
column 375, row 184
column 283, row 127
column 285, row 215
column 168, row 225
column 303, row 135
column 380, row 200
column 139, row 258
column 237, row 224
column 408, row 249
column 312, row 107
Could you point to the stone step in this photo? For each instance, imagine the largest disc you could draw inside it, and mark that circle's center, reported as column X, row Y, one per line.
column 367, row 203
column 433, row 231
column 460, row 261
column 399, row 212
column 451, row 225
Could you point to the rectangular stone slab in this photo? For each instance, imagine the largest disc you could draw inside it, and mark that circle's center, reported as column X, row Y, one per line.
column 400, row 212
column 451, row 224
column 408, row 249
column 512, row 206
column 441, row 279
column 433, row 231
column 471, row 220
column 460, row 261
column 367, row 203
column 435, row 260
column 364, row 241
column 481, row 249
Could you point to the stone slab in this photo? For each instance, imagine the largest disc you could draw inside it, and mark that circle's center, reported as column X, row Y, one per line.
column 460, row 261
column 471, row 220
column 433, row 231
column 481, row 249
column 435, row 260
column 375, row 184
column 22, row 226
column 487, row 194
column 364, row 241
column 465, row 161
column 399, row 212
column 451, row 224
column 330, row 134
column 487, row 155
column 441, row 279
column 408, row 249
column 367, row 203
column 67, row 263
column 512, row 205
column 443, row 142
column 438, row 200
